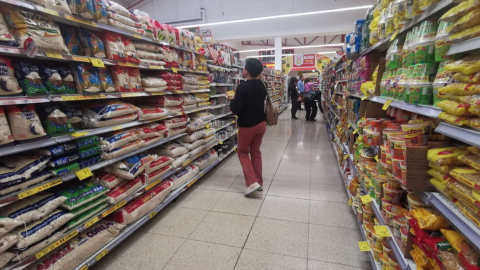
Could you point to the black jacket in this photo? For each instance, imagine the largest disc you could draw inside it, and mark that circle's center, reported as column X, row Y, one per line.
column 292, row 91
column 249, row 103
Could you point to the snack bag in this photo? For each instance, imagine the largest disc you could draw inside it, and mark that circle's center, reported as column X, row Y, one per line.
column 93, row 43
column 429, row 221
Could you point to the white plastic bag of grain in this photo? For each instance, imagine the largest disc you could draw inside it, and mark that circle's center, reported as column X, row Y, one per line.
column 152, row 62
column 210, row 139
column 178, row 163
column 153, row 176
column 5, row 258
column 152, row 140
column 36, row 231
column 122, row 150
column 7, row 241
column 123, row 19
column 143, row 204
column 131, row 167
column 8, row 224
column 117, row 8
column 151, row 112
column 189, row 100
column 153, row 130
column 176, row 122
column 91, row 122
column 190, row 86
column 189, row 79
column 209, row 132
column 40, row 245
column 126, row 188
column 5, row 134
column 20, row 167
column 107, row 180
column 154, row 89
column 197, row 151
column 135, row 80
column 195, row 124
column 150, row 55
column 189, row 107
column 10, row 84
column 166, row 101
column 74, row 252
column 119, row 138
column 183, row 176
column 146, row 47
column 20, row 184
column 110, row 109
column 206, row 160
column 191, row 137
column 82, row 194
column 159, row 162
column 89, row 206
column 34, row 207
column 24, row 123
column 153, row 82
column 169, row 150
column 120, row 25
column 203, row 115
column 175, row 110
column 193, row 145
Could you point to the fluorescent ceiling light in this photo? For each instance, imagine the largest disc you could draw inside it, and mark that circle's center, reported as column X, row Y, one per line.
column 272, row 55
column 278, row 16
column 295, row 47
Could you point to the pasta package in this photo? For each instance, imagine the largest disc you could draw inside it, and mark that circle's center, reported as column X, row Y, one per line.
column 460, row 10
column 453, row 107
column 467, row 176
column 470, row 20
column 471, row 160
column 114, row 46
column 453, row 120
column 92, row 43
column 8, row 82
column 446, row 156
column 468, row 65
column 461, row 89
column 429, row 221
column 469, row 79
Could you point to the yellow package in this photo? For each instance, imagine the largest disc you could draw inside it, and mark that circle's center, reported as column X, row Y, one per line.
column 446, row 155
column 460, row 10
column 461, row 89
column 475, row 122
column 443, row 177
column 468, row 213
column 429, row 221
column 470, row 79
column 459, row 99
column 453, row 107
column 465, row 34
column 459, row 189
column 419, row 258
column 467, row 176
column 453, row 120
column 454, row 238
column 470, row 20
column 368, row 88
column 440, row 168
column 474, row 150
column 468, row 65
column 471, row 160
column 439, row 185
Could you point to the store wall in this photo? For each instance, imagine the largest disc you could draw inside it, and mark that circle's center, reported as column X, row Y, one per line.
column 226, row 10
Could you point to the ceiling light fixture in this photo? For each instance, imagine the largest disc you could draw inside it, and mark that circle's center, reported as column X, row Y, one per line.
column 295, row 47
column 277, row 16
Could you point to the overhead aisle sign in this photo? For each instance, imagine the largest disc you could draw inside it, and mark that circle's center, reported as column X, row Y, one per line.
column 304, row 62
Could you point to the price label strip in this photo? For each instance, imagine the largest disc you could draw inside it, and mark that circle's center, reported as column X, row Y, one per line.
column 363, row 246
column 152, row 214
column 83, row 173
column 79, row 134
column 53, row 246
column 387, row 104
column 345, row 157
column 91, row 222
column 366, row 199
column 54, row 55
column 137, row 36
column 350, row 202
column 364, row 97
column 382, row 231
column 38, row 189
column 97, row 62
column 81, row 59
column 193, row 182
column 355, row 131
column 175, row 70
column 85, row 267
column 153, row 184
column 116, row 207
column 79, row 20
column 101, row 255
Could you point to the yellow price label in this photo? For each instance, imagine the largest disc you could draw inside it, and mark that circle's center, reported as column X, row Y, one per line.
column 364, row 97
column 235, row 148
column 394, row 35
column 101, row 255
column 85, row 267
column 80, row 59
column 79, row 134
column 334, row 140
column 49, row 11
column 355, row 131
column 363, row 246
column 376, row 158
column 124, row 95
column 220, row 142
column 115, row 128
column 35, row 190
column 69, row 98
column 136, row 36
column 382, row 231
column 155, row 67
column 387, row 104
column 54, row 55
column 58, row 243
column 79, row 20
column 91, row 222
column 153, row 184
column 349, row 125
column 127, row 64
column 350, row 202
column 97, row 62
column 175, row 70
column 83, row 173
column 207, row 125
column 116, row 207
column 366, row 199
column 158, row 94
column 339, row 107
column 193, row 182
column 152, row 214
column 345, row 157
column 186, row 162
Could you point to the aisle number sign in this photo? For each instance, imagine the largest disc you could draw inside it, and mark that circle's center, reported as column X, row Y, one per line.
column 363, row 246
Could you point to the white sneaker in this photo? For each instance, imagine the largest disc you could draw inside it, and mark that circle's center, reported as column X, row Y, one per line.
column 252, row 188
column 260, row 189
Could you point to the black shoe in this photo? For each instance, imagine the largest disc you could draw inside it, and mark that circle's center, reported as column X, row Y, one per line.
column 307, row 119
column 313, row 119
column 294, row 117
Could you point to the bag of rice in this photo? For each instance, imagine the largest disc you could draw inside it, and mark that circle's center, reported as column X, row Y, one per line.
column 74, row 252
column 197, row 151
column 92, row 43
column 158, row 163
column 155, row 89
column 183, row 176
column 120, row 25
column 5, row 258
column 119, row 138
column 29, row 79
column 174, row 82
column 107, row 180
column 114, row 46
column 5, row 134
column 135, row 80
column 130, row 51
column 7, row 241
column 40, row 245
column 122, row 150
column 175, row 131
column 206, row 160
column 151, row 112
column 123, row 19
column 169, row 150
column 82, row 194
column 82, row 154
column 21, row 167
column 152, row 140
column 110, row 109
column 189, row 107
column 126, row 188
column 8, row 224
column 153, row 82
column 36, row 231
column 100, row 14
column 189, row 100
column 121, row 79
column 143, row 204
column 176, row 122
column 148, row 178
column 191, row 137
column 82, row 218
column 130, row 167
column 87, row 78
column 170, row 76
column 24, row 123
column 178, row 163
column 106, row 82
column 202, row 115
column 23, row 183
column 150, row 55
column 8, row 82
column 209, row 132
column 152, row 62
column 117, row 8
column 146, row 47
column 92, row 204
column 6, row 39
column 33, row 208
column 195, row 144
column 153, row 130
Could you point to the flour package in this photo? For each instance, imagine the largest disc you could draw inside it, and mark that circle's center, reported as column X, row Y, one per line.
column 82, row 194
column 176, row 122
column 33, row 208
column 24, row 123
column 183, row 176
column 191, row 137
column 170, row 150
column 107, row 180
column 77, row 250
column 120, row 138
column 151, row 112
column 93, row 43
column 6, row 137
column 175, row 131
column 158, row 163
column 125, row 188
column 130, row 51
column 36, row 231
column 9, row 85
column 152, row 130
column 131, row 167
column 148, row 178
column 114, row 46
column 29, row 79
column 106, row 82
column 121, row 79
column 122, row 150
column 135, row 80
column 178, row 163
column 143, row 205
column 6, row 38
column 206, row 160
column 101, row 110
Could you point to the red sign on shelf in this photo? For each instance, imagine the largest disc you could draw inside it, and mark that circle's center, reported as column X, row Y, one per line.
column 304, row 60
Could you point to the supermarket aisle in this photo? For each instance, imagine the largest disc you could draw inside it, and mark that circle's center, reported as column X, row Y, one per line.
column 300, row 221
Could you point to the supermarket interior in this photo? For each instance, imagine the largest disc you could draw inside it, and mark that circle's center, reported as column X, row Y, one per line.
column 121, row 132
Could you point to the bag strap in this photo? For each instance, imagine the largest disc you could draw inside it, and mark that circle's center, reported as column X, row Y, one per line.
column 266, row 90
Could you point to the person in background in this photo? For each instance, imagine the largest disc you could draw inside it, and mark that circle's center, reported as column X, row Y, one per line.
column 301, row 89
column 309, row 97
column 249, row 106
column 293, row 93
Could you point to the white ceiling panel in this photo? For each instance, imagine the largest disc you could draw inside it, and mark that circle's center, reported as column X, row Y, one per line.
column 310, row 5
column 234, row 10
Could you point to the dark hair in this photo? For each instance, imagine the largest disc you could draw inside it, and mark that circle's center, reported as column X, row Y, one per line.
column 307, row 80
column 301, row 77
column 293, row 80
column 254, row 67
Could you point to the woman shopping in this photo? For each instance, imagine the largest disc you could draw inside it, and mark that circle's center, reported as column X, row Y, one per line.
column 249, row 106
column 309, row 97
column 292, row 90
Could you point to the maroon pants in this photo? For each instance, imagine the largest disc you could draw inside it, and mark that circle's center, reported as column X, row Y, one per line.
column 249, row 142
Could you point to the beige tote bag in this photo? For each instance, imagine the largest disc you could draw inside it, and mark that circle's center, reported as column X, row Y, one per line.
column 271, row 110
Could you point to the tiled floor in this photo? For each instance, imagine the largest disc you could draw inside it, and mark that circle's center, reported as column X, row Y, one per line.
column 300, row 221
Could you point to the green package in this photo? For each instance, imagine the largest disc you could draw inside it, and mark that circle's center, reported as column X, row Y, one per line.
column 86, row 216
column 82, row 194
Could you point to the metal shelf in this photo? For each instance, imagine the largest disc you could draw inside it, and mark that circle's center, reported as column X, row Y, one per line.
column 220, row 67
column 426, row 110
column 221, row 115
column 221, row 84
column 465, row 46
column 218, row 106
column 218, row 95
column 231, row 135
column 465, row 135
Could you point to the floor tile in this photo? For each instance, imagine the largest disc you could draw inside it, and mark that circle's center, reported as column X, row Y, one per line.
column 175, row 221
column 259, row 260
column 331, row 193
column 285, row 209
column 199, row 199
column 343, row 247
column 318, row 265
column 195, row 255
column 294, row 164
column 326, row 177
column 216, row 182
column 292, row 175
column 332, row 214
column 330, row 165
column 223, row 228
column 291, row 189
column 278, row 236
column 237, row 203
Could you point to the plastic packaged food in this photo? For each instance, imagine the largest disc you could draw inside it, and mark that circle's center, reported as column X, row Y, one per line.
column 429, row 221
column 106, row 82
column 121, row 79
column 8, row 82
column 87, row 78
column 416, row 134
column 114, row 46
column 135, row 80
column 425, row 4
column 6, row 38
column 24, row 123
column 453, row 107
column 460, row 10
column 467, row 176
column 130, row 167
column 130, row 51
column 125, row 188
column 28, row 76
column 454, row 120
column 420, row 93
column 468, row 65
column 446, row 156
column 93, row 43
column 460, row 89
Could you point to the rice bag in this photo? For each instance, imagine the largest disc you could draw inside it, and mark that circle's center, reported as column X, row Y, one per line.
column 209, row 132
column 5, row 134
column 68, row 80
column 92, row 43
column 191, row 137
column 6, row 39
column 151, row 112
column 189, row 100
column 193, row 145
column 170, row 150
column 125, row 188
column 87, row 78
column 471, row 160
column 5, row 258
column 155, row 89
column 82, row 218
column 143, row 204
column 24, row 123
column 153, row 82
column 121, row 79
column 23, row 183
column 28, row 76
column 119, row 9
column 131, row 167
column 70, row 158
column 107, row 180
column 206, row 160
column 100, row 14
column 36, row 231
column 84, row 8
column 71, row 39
column 183, row 176
column 52, row 80
column 146, row 47
column 152, row 140
column 130, row 51
column 170, row 76
column 152, row 62
column 127, row 148
column 40, row 245
column 166, row 101
column 153, row 130
column 120, row 25
column 120, row 138
column 175, row 131
column 453, row 120
column 114, row 46
column 82, row 194
column 8, row 82
column 70, row 168
column 195, row 152
column 57, row 124
column 135, row 80
column 178, row 163
column 176, row 122
column 150, row 55
column 123, row 19
column 158, row 163
column 106, row 82
column 101, row 110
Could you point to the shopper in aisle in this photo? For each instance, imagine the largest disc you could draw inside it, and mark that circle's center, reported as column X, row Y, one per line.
column 309, row 97
column 301, row 89
column 293, row 93
column 249, row 106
